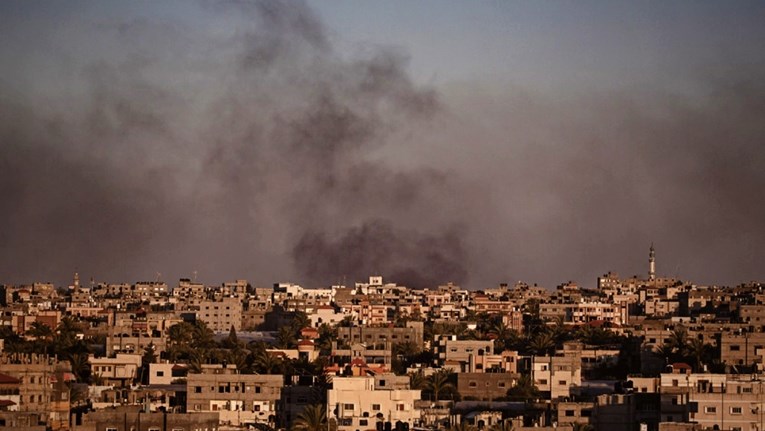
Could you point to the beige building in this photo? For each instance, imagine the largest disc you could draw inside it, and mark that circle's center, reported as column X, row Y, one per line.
column 238, row 398
column 220, row 316
column 557, row 375
column 413, row 332
column 121, row 369
column 43, row 392
column 361, row 402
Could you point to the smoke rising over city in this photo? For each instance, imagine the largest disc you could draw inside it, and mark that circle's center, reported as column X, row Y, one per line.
column 237, row 140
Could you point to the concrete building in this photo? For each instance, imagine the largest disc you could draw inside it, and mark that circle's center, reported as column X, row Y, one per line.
column 362, row 402
column 238, row 398
column 120, row 370
column 133, row 419
column 485, row 386
column 220, row 316
column 43, row 390
column 557, row 375
column 413, row 332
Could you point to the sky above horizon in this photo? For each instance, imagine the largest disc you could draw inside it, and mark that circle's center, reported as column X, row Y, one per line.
column 427, row 141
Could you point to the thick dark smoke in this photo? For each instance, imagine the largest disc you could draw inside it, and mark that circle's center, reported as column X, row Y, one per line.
column 237, row 142
column 176, row 150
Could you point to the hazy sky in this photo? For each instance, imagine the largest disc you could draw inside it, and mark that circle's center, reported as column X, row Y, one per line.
column 429, row 141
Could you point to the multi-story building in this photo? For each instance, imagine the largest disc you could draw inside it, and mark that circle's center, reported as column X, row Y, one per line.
column 221, row 316
column 413, row 332
column 557, row 375
column 43, row 388
column 362, row 402
column 238, row 398
column 121, row 369
column 485, row 386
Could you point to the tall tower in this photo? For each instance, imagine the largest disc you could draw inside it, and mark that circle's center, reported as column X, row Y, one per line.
column 652, row 263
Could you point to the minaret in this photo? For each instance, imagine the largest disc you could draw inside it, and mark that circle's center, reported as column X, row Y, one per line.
column 652, row 264
column 76, row 281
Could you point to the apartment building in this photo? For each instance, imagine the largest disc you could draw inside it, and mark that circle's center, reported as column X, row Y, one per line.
column 362, row 402
column 371, row 335
column 742, row 348
column 42, row 392
column 238, row 398
column 450, row 349
column 119, row 370
column 485, row 386
column 221, row 316
column 557, row 375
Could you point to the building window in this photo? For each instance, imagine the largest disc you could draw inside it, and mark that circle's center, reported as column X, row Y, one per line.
column 710, row 409
column 160, row 374
column 569, row 413
column 363, row 422
column 735, row 410
column 562, row 382
column 472, row 384
column 197, row 389
column 111, row 429
column 375, row 407
column 400, row 407
column 348, row 406
column 735, row 348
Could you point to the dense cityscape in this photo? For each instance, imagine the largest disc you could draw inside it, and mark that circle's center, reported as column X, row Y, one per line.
column 637, row 353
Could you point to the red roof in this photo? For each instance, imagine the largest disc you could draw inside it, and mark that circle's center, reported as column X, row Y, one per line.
column 5, row 403
column 358, row 362
column 305, row 343
column 5, row 379
column 680, row 366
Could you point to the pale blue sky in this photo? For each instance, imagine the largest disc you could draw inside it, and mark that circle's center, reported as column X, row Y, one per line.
column 554, row 43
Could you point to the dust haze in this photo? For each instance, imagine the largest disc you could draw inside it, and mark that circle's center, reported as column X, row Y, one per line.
column 249, row 147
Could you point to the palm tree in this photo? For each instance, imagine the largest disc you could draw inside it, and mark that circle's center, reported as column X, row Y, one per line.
column 285, row 337
column 678, row 340
column 524, row 389
column 542, row 344
column 265, row 363
column 312, row 418
column 439, row 382
column 417, row 380
column 40, row 331
column 203, row 336
column 698, row 350
column 181, row 333
column 80, row 366
column 501, row 332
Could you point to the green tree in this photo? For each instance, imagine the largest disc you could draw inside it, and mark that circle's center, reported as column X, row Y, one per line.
column 265, row 363
column 40, row 331
column 524, row 389
column 285, row 338
column 542, row 344
column 439, row 383
column 417, row 380
column 312, row 418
